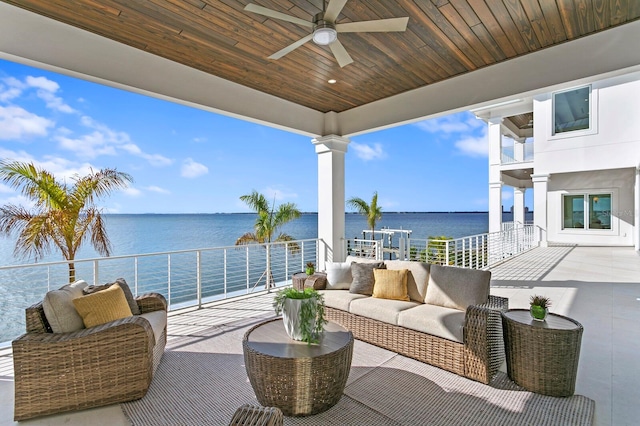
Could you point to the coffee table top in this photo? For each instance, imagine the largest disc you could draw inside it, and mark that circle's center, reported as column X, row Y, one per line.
column 270, row 338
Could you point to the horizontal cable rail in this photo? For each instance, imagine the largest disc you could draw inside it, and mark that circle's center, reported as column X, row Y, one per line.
column 477, row 251
column 185, row 277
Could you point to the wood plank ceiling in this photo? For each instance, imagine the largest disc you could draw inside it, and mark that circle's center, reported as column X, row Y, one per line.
column 444, row 38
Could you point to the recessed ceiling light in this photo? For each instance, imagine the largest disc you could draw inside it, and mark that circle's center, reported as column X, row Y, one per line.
column 332, row 81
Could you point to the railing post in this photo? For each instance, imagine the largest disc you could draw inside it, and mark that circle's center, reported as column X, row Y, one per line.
column 96, row 273
column 199, row 278
column 268, row 268
column 224, row 254
column 169, row 279
column 446, row 252
column 135, row 275
column 247, row 265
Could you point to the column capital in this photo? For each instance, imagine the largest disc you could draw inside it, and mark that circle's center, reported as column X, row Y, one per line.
column 540, row 177
column 496, row 184
column 333, row 143
column 495, row 120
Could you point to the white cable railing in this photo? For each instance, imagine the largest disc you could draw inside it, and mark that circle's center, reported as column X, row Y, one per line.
column 185, row 277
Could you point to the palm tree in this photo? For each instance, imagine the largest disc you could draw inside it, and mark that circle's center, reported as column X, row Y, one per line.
column 372, row 212
column 62, row 215
column 268, row 222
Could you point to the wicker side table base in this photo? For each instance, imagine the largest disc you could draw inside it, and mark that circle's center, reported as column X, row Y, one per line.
column 251, row 415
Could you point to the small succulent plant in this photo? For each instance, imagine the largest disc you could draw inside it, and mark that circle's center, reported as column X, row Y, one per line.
column 542, row 301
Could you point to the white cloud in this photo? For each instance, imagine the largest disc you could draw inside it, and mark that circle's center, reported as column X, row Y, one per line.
column 366, row 152
column 473, row 146
column 17, row 123
column 12, row 90
column 132, row 192
column 4, row 189
column 271, row 194
column 191, row 169
column 46, row 91
column 455, row 123
column 157, row 189
column 200, row 139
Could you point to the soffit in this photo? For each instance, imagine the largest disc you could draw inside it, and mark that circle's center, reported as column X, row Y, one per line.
column 444, row 39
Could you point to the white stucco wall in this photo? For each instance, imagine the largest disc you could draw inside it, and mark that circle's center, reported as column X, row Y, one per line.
column 620, row 183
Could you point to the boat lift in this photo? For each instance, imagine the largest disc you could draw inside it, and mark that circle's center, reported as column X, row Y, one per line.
column 400, row 251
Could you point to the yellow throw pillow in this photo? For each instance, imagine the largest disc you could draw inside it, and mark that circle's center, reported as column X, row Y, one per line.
column 390, row 284
column 103, row 306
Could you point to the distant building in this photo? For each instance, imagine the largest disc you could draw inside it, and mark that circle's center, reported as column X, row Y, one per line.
column 578, row 149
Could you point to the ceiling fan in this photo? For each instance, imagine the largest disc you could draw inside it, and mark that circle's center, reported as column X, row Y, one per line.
column 325, row 30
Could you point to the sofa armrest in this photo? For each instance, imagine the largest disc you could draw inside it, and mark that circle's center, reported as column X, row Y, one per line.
column 150, row 302
column 484, row 345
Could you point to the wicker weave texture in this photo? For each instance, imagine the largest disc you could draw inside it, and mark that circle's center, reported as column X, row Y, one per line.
column 250, row 415
column 299, row 386
column 109, row 363
column 478, row 358
column 543, row 360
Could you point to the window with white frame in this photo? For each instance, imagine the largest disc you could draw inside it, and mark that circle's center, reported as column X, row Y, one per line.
column 586, row 211
column 572, row 110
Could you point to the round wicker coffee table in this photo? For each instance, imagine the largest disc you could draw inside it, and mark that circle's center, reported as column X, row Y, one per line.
column 542, row 356
column 298, row 378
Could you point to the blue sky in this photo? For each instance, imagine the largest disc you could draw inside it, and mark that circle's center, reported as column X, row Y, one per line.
column 185, row 160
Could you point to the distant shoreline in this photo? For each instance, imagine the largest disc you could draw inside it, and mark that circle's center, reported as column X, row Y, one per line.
column 252, row 213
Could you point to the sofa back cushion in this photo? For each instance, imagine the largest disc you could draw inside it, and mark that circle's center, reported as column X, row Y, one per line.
column 338, row 275
column 457, row 288
column 363, row 278
column 59, row 310
column 417, row 278
column 390, row 284
column 103, row 306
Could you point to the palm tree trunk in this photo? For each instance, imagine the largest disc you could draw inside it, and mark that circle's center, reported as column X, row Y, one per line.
column 72, row 272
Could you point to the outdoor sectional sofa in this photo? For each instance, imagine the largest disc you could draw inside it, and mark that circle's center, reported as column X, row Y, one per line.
column 61, row 365
column 447, row 318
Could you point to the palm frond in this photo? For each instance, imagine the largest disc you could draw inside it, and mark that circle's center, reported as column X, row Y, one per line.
column 248, row 238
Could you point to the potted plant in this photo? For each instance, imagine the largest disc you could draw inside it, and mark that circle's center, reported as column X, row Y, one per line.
column 302, row 313
column 310, row 269
column 539, row 307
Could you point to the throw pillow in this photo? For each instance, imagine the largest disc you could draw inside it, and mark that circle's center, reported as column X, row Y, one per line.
column 133, row 305
column 390, row 284
column 338, row 275
column 457, row 288
column 363, row 278
column 59, row 310
column 103, row 306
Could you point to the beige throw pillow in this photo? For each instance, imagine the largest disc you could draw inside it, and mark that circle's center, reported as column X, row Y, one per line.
column 338, row 275
column 59, row 310
column 133, row 305
column 390, row 284
column 103, row 306
column 457, row 288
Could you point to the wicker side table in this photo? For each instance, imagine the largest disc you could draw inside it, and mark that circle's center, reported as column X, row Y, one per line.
column 542, row 356
column 297, row 378
column 317, row 281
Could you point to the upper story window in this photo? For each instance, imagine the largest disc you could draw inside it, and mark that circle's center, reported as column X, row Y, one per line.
column 572, row 110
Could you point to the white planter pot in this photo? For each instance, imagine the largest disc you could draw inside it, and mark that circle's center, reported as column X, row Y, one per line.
column 291, row 317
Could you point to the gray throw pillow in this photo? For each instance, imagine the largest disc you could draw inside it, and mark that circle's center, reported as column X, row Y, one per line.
column 131, row 301
column 363, row 278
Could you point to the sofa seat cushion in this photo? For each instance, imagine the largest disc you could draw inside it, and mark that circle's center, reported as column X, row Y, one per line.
column 158, row 321
column 384, row 310
column 59, row 309
column 457, row 288
column 340, row 299
column 417, row 278
column 103, row 306
column 338, row 275
column 447, row 323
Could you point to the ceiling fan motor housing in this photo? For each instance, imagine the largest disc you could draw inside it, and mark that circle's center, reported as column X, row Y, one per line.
column 324, row 33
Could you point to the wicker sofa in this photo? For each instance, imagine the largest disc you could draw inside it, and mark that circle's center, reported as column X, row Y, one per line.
column 466, row 340
column 105, row 364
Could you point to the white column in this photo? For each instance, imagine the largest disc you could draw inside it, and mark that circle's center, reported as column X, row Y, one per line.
column 518, row 205
column 331, row 196
column 518, row 150
column 540, row 187
column 636, row 207
column 495, row 182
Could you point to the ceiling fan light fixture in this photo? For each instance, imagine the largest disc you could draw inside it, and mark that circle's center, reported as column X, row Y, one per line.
column 324, row 34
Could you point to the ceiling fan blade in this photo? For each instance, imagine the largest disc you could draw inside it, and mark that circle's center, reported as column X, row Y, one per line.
column 333, row 10
column 379, row 25
column 277, row 15
column 280, row 53
column 340, row 53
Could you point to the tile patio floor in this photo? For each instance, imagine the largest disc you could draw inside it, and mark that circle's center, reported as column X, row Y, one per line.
column 597, row 286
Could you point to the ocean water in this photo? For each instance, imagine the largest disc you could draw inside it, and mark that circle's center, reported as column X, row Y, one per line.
column 153, row 233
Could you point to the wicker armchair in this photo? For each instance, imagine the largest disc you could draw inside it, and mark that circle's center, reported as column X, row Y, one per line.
column 106, row 364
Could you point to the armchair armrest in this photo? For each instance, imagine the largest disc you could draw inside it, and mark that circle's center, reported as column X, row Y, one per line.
column 483, row 342
column 149, row 302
